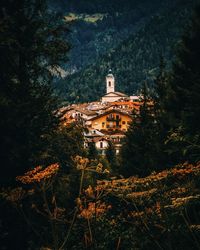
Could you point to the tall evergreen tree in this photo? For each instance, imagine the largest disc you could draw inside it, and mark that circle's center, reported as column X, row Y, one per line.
column 138, row 152
column 111, row 156
column 31, row 48
column 92, row 150
column 184, row 98
column 160, row 95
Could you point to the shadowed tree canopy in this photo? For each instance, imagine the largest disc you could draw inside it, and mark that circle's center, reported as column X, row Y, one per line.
column 139, row 150
column 186, row 75
column 184, row 98
column 32, row 46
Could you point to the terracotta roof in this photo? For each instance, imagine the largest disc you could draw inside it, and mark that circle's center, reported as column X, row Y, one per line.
column 125, row 103
column 85, row 111
column 96, row 139
column 109, row 112
column 130, row 104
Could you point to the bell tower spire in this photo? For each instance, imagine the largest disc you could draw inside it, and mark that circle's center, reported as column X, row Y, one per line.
column 110, row 82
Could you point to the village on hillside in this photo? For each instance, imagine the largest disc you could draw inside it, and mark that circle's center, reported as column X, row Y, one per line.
column 106, row 120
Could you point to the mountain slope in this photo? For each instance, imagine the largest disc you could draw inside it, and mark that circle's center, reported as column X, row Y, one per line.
column 100, row 25
column 135, row 59
column 110, row 23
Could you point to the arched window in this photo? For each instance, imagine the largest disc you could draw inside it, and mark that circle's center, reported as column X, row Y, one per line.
column 101, row 144
column 109, row 83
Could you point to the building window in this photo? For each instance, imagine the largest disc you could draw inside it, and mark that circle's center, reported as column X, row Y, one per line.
column 109, row 84
column 103, row 124
column 101, row 144
column 123, row 122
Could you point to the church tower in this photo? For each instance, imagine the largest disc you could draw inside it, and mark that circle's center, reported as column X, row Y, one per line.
column 110, row 82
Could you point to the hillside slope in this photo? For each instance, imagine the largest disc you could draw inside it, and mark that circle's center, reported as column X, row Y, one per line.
column 98, row 26
column 135, row 59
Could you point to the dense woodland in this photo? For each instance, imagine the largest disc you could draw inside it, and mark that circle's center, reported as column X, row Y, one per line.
column 91, row 39
column 134, row 42
column 54, row 194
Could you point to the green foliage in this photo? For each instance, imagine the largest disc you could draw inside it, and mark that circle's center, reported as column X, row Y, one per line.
column 112, row 159
column 101, row 6
column 173, row 136
column 63, row 145
column 57, row 210
column 92, row 150
column 31, row 45
column 184, row 98
column 134, row 60
column 111, row 155
column 91, row 40
column 160, row 96
column 140, row 146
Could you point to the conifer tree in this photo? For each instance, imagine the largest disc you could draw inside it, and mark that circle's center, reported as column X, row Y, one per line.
column 160, row 87
column 162, row 118
column 111, row 156
column 32, row 46
column 184, row 99
column 138, row 152
column 92, row 150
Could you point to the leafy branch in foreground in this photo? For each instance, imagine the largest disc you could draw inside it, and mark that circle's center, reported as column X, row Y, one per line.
column 32, row 43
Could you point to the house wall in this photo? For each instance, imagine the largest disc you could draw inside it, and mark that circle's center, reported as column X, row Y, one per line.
column 101, row 144
column 103, row 123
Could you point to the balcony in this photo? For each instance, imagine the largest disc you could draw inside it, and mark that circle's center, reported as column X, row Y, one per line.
column 113, row 119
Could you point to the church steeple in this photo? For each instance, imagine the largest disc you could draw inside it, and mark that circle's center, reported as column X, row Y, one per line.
column 110, row 82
